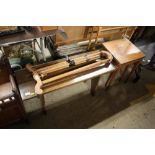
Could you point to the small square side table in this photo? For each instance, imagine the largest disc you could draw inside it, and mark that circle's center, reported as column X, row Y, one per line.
column 125, row 54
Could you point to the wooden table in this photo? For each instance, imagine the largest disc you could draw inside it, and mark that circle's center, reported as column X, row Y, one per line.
column 27, row 88
column 125, row 54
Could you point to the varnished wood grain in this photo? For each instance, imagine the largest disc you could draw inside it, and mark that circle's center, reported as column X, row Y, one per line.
column 47, row 28
column 80, row 33
column 123, row 51
column 96, row 73
column 99, row 58
column 94, row 85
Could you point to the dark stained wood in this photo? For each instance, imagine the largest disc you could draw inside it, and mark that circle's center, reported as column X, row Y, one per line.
column 94, row 85
column 42, row 99
column 135, row 65
column 111, row 78
column 124, row 72
column 3, row 74
column 11, row 106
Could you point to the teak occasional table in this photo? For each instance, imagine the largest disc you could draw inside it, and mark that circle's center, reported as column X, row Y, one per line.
column 125, row 54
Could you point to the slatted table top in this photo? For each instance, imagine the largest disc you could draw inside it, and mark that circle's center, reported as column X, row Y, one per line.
column 27, row 88
column 123, row 50
column 82, row 77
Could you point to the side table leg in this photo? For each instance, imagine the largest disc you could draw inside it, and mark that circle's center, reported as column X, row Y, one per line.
column 42, row 100
column 133, row 69
column 94, row 85
column 111, row 78
column 124, row 72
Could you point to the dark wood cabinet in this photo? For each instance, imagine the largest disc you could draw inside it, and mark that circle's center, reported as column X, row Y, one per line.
column 11, row 106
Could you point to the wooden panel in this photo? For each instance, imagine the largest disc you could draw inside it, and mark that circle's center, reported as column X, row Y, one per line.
column 7, row 28
column 78, row 33
column 73, row 32
column 4, row 74
column 23, row 76
column 11, row 108
column 46, row 28
column 27, row 36
column 9, row 114
column 84, row 77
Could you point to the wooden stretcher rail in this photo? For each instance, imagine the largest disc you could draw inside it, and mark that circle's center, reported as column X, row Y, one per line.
column 89, row 61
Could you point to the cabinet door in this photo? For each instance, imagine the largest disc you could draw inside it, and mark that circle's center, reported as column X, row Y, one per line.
column 4, row 74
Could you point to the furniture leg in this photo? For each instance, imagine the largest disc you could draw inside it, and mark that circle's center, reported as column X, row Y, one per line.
column 137, row 73
column 42, row 51
column 94, row 85
column 90, row 37
column 35, row 54
column 97, row 35
column 124, row 72
column 111, row 78
column 133, row 69
column 42, row 100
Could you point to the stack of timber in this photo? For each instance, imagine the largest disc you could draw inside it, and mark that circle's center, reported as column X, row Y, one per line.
column 67, row 69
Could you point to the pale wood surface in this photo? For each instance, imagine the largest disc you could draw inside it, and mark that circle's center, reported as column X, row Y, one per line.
column 7, row 28
column 123, row 50
column 73, row 32
column 79, row 33
column 96, row 73
column 29, row 87
column 95, row 56
column 47, row 28
column 76, row 71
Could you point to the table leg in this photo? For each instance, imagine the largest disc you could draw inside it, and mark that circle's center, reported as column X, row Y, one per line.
column 124, row 72
column 42, row 51
column 90, row 38
column 35, row 53
column 111, row 78
column 94, row 85
column 42, row 100
column 133, row 69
